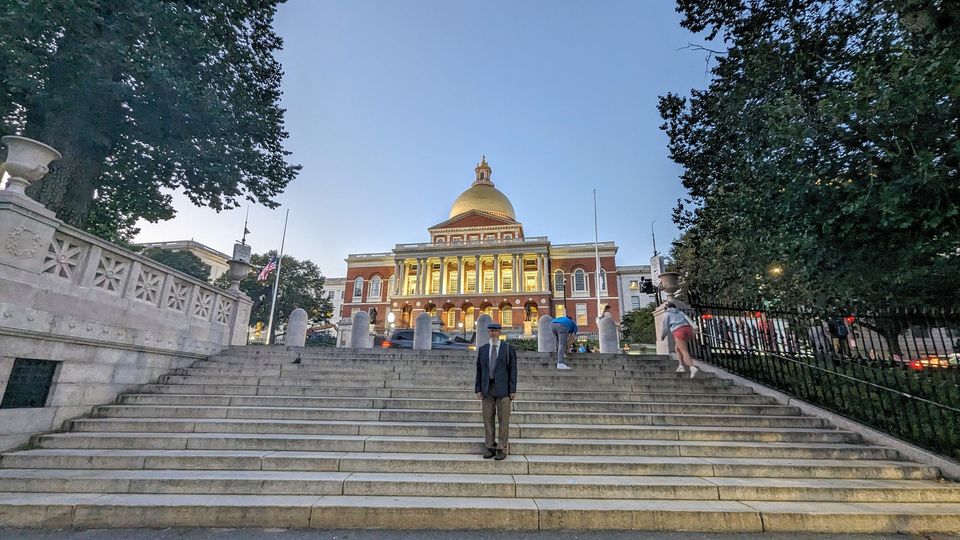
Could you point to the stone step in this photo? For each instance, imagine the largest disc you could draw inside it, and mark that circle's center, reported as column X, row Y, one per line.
column 465, row 463
column 330, row 391
column 285, row 412
column 467, row 381
column 472, row 429
column 458, row 445
column 534, row 395
column 94, row 511
column 408, row 370
column 473, row 485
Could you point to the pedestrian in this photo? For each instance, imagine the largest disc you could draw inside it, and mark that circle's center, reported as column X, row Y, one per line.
column 677, row 323
column 564, row 330
column 496, row 387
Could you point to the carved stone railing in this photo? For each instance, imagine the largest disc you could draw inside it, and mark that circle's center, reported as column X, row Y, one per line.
column 99, row 318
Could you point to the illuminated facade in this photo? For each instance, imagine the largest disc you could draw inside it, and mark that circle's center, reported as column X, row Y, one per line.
column 480, row 261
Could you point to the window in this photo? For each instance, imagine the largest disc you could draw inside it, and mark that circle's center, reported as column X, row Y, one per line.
column 634, row 285
column 373, row 293
column 468, row 317
column 579, row 281
column 471, row 282
column 488, row 280
column 491, row 237
column 452, row 281
column 603, row 279
column 581, row 315
column 634, row 302
column 358, row 289
column 558, row 281
column 561, row 310
column 506, row 316
column 506, row 279
column 412, row 283
column 530, row 281
column 451, row 318
column 435, row 279
column 439, row 240
column 508, row 236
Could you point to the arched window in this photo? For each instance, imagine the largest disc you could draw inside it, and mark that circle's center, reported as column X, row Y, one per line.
column 358, row 289
column 558, row 281
column 373, row 293
column 579, row 281
column 506, row 316
column 603, row 279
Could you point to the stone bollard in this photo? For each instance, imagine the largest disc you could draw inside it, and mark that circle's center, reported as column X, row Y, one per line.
column 483, row 322
column 546, row 341
column 608, row 335
column 359, row 336
column 297, row 328
column 423, row 332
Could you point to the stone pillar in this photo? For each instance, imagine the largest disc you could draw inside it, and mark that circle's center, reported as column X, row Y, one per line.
column 546, row 341
column 496, row 274
column 546, row 273
column 360, row 330
column 476, row 275
column 539, row 272
column 443, row 276
column 483, row 321
column 608, row 335
column 422, row 332
column 397, row 269
column 297, row 328
column 459, row 274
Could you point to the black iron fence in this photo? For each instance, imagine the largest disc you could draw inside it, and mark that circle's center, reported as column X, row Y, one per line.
column 897, row 371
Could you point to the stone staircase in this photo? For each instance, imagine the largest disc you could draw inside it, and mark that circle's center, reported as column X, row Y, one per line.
column 392, row 439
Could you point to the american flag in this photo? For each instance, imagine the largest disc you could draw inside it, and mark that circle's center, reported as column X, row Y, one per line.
column 270, row 267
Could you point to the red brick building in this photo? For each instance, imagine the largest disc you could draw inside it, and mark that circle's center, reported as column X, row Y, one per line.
column 480, row 261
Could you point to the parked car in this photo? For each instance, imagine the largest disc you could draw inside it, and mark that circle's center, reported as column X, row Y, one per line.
column 403, row 339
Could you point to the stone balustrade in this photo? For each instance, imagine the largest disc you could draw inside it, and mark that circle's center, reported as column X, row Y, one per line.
column 101, row 318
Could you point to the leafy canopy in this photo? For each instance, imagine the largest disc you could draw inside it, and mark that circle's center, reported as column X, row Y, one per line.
column 143, row 96
column 182, row 260
column 822, row 159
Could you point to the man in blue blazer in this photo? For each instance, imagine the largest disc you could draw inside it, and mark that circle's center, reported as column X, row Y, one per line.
column 496, row 386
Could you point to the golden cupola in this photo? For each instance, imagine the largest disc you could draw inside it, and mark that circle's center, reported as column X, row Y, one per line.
column 483, row 196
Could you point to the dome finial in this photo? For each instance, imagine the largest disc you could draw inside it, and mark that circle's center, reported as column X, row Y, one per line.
column 483, row 172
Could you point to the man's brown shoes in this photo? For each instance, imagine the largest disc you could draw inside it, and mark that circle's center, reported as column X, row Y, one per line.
column 501, row 455
column 489, row 453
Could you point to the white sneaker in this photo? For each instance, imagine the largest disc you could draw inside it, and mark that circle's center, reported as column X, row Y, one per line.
column 681, row 369
column 563, row 366
column 693, row 371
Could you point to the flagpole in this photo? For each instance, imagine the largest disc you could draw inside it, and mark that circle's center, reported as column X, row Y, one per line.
column 276, row 281
column 596, row 250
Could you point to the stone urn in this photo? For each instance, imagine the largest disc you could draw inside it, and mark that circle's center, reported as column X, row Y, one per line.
column 26, row 162
column 238, row 270
column 670, row 284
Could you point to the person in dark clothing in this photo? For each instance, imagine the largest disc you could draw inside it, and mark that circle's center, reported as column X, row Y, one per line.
column 496, row 386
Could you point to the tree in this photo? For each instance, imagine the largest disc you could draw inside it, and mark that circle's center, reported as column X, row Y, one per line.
column 143, row 97
column 638, row 325
column 827, row 145
column 301, row 286
column 182, row 260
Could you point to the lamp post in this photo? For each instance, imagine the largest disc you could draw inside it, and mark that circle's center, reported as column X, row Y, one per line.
column 563, row 295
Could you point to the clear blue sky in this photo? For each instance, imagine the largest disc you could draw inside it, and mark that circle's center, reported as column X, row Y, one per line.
column 390, row 104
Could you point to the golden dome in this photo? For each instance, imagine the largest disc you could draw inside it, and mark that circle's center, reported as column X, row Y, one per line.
column 483, row 196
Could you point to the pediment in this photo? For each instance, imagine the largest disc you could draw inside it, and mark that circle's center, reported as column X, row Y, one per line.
column 473, row 218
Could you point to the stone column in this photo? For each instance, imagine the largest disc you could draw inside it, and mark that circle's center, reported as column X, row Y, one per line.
column 546, row 341
column 397, row 280
column 496, row 274
column 422, row 332
column 421, row 270
column 443, row 275
column 539, row 272
column 459, row 274
column 297, row 328
column 546, row 273
column 608, row 335
column 476, row 275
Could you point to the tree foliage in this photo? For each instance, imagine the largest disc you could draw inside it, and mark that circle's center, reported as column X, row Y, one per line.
column 143, row 96
column 301, row 286
column 638, row 325
column 182, row 260
column 827, row 147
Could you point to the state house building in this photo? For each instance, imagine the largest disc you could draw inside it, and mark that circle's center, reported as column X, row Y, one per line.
column 480, row 261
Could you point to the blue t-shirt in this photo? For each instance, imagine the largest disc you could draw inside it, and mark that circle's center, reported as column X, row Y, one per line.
column 568, row 322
